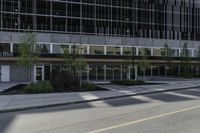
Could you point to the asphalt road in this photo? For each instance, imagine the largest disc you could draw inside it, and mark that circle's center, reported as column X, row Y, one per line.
column 170, row 112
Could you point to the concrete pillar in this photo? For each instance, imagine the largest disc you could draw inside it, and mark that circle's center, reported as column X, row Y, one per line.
column 11, row 47
column 105, row 50
column 129, row 72
column 137, row 51
column 88, row 49
column 193, row 54
column 179, row 70
column 179, row 52
column 151, row 51
column 51, row 48
column 151, row 70
column 105, row 72
column 70, row 48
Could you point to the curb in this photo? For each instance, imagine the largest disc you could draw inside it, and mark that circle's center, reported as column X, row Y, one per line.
column 93, row 100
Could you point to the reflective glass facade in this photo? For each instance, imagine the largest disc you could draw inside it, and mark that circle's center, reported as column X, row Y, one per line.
column 163, row 19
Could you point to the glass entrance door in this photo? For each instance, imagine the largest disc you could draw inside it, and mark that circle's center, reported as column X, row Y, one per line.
column 39, row 73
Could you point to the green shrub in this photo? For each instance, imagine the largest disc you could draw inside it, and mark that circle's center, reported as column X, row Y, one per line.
column 128, row 82
column 88, row 85
column 29, row 89
column 39, row 87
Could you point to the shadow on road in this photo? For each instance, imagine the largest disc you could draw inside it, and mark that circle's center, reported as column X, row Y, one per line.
column 6, row 119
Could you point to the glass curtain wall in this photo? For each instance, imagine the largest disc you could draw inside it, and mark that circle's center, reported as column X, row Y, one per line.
column 162, row 19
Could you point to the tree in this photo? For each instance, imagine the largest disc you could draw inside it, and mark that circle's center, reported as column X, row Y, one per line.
column 168, row 57
column 185, row 59
column 144, row 64
column 75, row 62
column 27, row 57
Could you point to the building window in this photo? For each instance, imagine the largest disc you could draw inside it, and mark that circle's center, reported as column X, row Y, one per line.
column 109, row 72
column 79, row 49
column 145, row 51
column 129, row 51
column 43, row 7
column 93, row 72
column 100, row 72
column 42, row 48
column 4, row 47
column 175, row 52
column 59, row 49
column 113, row 50
column 16, row 48
column 158, row 52
column 99, row 50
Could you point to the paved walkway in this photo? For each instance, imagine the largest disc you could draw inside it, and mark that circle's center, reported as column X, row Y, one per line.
column 20, row 102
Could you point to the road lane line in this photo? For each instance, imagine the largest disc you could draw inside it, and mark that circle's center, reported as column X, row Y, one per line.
column 145, row 119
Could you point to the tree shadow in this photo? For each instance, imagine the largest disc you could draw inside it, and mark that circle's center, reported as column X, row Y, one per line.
column 190, row 92
column 168, row 97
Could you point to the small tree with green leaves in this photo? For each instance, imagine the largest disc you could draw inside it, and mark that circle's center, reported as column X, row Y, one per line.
column 27, row 57
column 75, row 62
column 143, row 63
column 185, row 56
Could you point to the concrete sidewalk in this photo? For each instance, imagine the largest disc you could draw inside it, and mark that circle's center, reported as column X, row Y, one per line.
column 22, row 102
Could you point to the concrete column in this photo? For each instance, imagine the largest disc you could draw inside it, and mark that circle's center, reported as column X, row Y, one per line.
column 136, row 72
column 70, row 48
column 151, row 51
column 137, row 51
column 151, row 70
column 193, row 52
column 51, row 48
column 179, row 70
column 11, row 47
column 129, row 72
column 179, row 52
column 105, row 50
column 121, row 50
column 104, row 72
column 88, row 49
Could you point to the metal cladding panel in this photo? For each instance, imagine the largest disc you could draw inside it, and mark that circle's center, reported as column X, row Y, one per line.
column 129, row 41
column 113, row 40
column 5, row 37
column 60, row 38
column 101, row 40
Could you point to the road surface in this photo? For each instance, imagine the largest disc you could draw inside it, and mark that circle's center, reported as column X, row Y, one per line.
column 169, row 112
